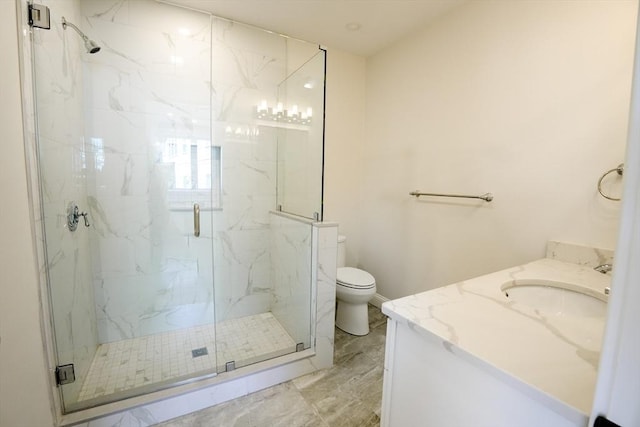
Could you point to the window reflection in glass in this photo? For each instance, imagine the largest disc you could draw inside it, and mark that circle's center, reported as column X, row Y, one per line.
column 193, row 176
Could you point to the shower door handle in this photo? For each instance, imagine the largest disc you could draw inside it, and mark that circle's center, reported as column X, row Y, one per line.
column 196, row 220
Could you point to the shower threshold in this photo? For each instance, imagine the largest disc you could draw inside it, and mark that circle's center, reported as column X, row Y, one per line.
column 166, row 358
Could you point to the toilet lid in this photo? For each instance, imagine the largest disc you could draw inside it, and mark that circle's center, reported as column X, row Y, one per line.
column 355, row 278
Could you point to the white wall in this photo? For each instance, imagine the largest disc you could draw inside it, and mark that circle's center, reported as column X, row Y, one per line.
column 527, row 100
column 344, row 146
column 24, row 394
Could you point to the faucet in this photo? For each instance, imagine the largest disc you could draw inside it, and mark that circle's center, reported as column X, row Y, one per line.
column 603, row 268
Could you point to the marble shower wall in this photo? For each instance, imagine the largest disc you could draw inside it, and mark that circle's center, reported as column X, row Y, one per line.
column 248, row 65
column 147, row 99
column 167, row 74
column 59, row 76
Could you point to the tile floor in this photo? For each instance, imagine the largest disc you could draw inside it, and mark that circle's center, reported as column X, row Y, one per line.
column 127, row 364
column 347, row 395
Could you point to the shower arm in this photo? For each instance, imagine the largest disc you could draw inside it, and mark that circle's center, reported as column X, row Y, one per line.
column 66, row 24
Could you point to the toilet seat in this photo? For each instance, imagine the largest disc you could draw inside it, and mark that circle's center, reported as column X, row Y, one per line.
column 355, row 278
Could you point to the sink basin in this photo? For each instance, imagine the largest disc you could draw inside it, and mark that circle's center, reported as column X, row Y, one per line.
column 556, row 298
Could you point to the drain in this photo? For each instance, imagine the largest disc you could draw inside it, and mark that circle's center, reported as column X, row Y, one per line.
column 199, row 352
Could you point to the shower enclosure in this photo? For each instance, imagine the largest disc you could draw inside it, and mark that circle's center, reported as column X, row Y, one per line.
column 165, row 159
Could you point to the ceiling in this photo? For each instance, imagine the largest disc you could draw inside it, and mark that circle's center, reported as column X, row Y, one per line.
column 361, row 27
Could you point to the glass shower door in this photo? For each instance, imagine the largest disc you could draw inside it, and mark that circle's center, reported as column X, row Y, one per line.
column 128, row 178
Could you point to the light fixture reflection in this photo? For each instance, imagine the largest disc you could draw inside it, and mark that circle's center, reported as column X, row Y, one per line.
column 279, row 113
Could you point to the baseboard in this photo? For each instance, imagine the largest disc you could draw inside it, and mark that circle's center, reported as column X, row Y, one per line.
column 377, row 300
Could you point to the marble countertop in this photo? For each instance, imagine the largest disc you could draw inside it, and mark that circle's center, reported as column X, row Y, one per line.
column 551, row 357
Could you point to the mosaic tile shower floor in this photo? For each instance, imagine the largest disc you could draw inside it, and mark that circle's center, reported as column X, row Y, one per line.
column 132, row 363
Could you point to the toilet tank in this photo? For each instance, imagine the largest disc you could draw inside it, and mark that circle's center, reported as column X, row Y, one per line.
column 342, row 252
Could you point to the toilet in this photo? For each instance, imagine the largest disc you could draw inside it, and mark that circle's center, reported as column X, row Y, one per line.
column 354, row 289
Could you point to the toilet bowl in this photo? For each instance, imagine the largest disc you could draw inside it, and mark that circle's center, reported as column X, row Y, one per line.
column 354, row 289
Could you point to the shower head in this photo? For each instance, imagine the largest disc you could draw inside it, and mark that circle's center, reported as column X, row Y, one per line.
column 90, row 45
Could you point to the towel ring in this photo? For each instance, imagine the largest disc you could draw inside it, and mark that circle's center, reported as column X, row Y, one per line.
column 619, row 170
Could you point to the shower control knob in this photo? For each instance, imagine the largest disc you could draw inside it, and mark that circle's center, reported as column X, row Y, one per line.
column 73, row 217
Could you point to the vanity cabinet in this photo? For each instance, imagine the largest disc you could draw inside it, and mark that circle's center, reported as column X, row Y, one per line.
column 429, row 382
